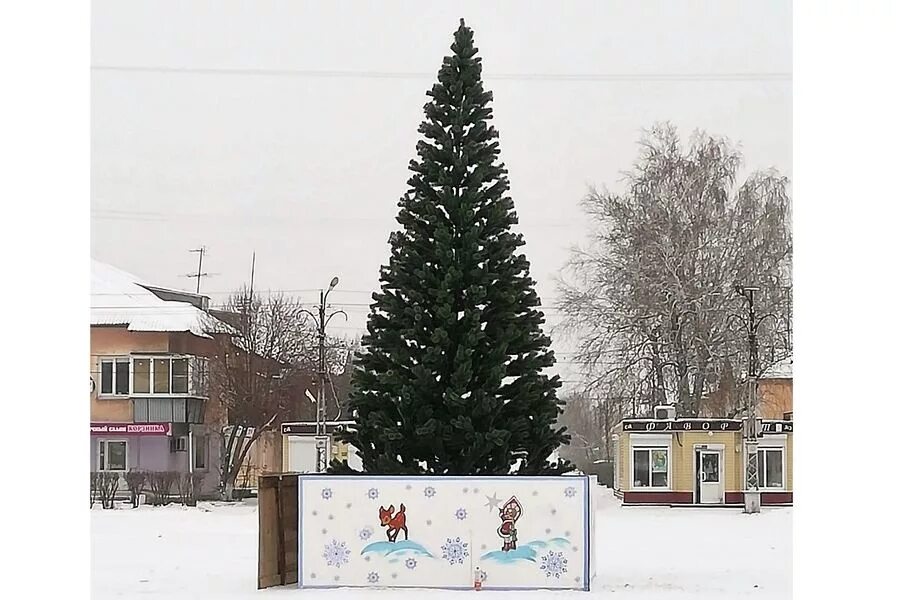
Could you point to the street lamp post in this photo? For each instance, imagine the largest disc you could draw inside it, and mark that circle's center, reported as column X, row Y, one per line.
column 751, row 422
column 321, row 322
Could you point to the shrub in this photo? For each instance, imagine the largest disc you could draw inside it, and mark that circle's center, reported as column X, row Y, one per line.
column 107, row 484
column 136, row 480
column 189, row 488
column 161, row 483
column 95, row 486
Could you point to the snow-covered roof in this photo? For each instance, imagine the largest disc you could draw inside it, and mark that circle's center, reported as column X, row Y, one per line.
column 783, row 369
column 120, row 298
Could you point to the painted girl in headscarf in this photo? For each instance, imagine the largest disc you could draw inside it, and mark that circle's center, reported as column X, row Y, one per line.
column 509, row 514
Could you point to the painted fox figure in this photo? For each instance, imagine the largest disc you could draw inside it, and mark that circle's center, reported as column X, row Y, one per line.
column 394, row 523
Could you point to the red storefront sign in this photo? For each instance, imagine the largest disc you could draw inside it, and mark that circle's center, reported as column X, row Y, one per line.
column 131, row 428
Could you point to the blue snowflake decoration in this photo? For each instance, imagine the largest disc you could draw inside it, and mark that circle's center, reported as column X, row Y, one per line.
column 373, row 493
column 455, row 550
column 430, row 492
column 373, row 577
column 570, row 492
column 410, row 563
column 326, row 494
column 461, row 513
column 365, row 533
column 336, row 554
column 554, row 564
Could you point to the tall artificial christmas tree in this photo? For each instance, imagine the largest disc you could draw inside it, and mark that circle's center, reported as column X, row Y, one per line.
column 450, row 377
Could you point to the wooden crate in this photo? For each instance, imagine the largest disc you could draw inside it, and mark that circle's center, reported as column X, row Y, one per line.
column 278, row 518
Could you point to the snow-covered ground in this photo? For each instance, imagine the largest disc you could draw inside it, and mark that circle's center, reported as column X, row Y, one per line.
column 641, row 553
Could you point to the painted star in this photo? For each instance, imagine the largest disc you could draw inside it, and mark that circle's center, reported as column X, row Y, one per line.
column 493, row 502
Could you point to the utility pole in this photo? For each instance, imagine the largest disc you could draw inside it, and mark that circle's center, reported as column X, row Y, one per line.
column 321, row 322
column 751, row 422
column 199, row 275
column 790, row 321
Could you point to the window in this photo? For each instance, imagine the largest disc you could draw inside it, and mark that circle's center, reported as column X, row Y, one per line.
column 115, row 376
column 177, row 444
column 201, row 449
column 650, row 467
column 141, row 375
column 150, row 375
column 161, row 381
column 770, row 463
column 162, row 375
column 113, row 455
column 709, row 467
column 180, row 376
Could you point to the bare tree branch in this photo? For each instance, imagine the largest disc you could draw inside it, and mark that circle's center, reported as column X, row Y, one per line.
column 265, row 361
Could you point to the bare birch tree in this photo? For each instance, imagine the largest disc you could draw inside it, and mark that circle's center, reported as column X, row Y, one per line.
column 650, row 298
column 589, row 420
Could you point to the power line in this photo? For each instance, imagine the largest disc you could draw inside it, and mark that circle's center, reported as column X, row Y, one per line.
column 347, row 305
column 245, row 220
column 230, row 292
column 175, row 309
column 540, row 77
column 336, row 291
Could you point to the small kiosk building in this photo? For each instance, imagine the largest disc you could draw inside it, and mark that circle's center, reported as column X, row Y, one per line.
column 299, row 442
column 699, row 461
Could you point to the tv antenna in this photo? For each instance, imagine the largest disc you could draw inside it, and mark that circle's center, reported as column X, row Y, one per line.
column 199, row 275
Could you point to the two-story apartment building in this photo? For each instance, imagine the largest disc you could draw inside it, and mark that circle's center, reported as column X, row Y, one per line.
column 150, row 395
column 776, row 390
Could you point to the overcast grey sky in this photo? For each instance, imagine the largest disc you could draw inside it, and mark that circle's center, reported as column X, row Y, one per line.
column 305, row 165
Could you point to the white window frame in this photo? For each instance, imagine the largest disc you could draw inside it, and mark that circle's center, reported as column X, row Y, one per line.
column 761, row 467
column 650, row 448
column 114, row 360
column 169, row 357
column 105, row 455
column 649, row 441
column 147, row 358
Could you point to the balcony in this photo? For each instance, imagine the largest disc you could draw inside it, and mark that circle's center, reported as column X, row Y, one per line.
column 154, row 376
column 168, row 410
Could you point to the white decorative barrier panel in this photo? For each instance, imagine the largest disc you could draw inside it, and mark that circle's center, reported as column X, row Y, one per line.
column 445, row 532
